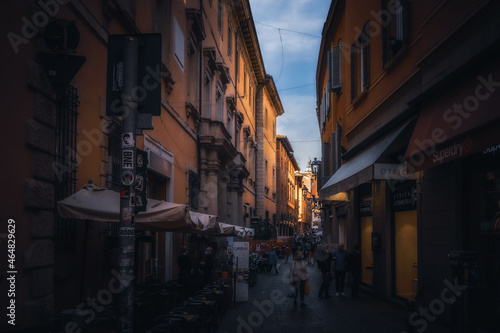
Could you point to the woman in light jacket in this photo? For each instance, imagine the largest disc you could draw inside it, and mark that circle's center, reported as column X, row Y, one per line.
column 298, row 277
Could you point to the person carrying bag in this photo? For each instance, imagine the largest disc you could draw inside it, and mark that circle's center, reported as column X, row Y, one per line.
column 299, row 277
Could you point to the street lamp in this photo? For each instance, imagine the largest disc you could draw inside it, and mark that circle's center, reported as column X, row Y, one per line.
column 315, row 166
column 304, row 191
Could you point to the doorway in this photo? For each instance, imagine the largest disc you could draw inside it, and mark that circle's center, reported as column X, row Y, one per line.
column 405, row 253
column 366, row 250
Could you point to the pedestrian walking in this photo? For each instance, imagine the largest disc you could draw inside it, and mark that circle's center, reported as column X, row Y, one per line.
column 354, row 263
column 287, row 253
column 324, row 260
column 299, row 277
column 339, row 256
column 273, row 261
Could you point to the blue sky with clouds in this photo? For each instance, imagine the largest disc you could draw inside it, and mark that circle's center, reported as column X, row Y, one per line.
column 289, row 33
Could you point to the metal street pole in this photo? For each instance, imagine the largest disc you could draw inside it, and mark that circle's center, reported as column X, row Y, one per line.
column 127, row 197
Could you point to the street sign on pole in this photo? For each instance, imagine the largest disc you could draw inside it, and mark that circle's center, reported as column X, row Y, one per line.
column 133, row 87
column 147, row 90
column 127, row 207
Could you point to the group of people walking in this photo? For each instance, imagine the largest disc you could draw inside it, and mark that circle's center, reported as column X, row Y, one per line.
column 338, row 262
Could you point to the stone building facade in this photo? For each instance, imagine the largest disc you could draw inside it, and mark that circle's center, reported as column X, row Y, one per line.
column 212, row 147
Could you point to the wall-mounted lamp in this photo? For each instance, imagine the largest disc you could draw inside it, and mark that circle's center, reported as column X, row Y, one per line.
column 304, row 191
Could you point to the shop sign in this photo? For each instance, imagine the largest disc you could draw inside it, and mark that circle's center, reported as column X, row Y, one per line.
column 491, row 150
column 404, row 197
column 241, row 251
column 365, row 208
column 147, row 91
column 392, row 171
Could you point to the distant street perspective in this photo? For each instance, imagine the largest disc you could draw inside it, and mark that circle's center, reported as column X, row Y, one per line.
column 241, row 166
column 268, row 309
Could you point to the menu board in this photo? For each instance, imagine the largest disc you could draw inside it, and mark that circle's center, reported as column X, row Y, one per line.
column 241, row 262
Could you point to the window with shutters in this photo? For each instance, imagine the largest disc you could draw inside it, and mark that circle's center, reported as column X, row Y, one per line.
column 178, row 44
column 237, row 63
column 396, row 31
column 194, row 190
column 229, row 42
column 219, row 102
column 230, row 123
column 322, row 113
column 360, row 63
column 334, row 69
column 220, row 17
column 193, row 65
column 364, row 41
column 327, row 103
column 207, row 94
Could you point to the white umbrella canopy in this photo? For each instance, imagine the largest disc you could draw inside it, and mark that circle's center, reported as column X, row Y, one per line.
column 100, row 204
column 204, row 222
column 235, row 230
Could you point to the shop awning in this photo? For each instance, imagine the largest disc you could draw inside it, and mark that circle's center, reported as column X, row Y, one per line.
column 459, row 122
column 357, row 170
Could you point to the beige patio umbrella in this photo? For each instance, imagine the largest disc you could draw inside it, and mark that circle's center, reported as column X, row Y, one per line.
column 100, row 204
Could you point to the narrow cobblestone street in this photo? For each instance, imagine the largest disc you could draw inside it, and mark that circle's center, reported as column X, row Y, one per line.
column 338, row 314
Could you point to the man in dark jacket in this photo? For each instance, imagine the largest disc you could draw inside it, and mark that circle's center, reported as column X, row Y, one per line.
column 207, row 265
column 324, row 260
column 340, row 258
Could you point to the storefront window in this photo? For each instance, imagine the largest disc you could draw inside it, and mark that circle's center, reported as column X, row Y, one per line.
column 406, row 259
column 405, row 240
column 366, row 250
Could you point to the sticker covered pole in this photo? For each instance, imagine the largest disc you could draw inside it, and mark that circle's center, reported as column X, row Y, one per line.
column 128, row 166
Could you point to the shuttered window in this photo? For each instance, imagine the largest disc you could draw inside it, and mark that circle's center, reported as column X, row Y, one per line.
column 364, row 41
column 334, row 69
column 396, row 31
column 354, row 72
column 360, row 63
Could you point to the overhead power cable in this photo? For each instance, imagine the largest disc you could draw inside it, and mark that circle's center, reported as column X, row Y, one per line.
column 306, row 85
column 295, row 31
